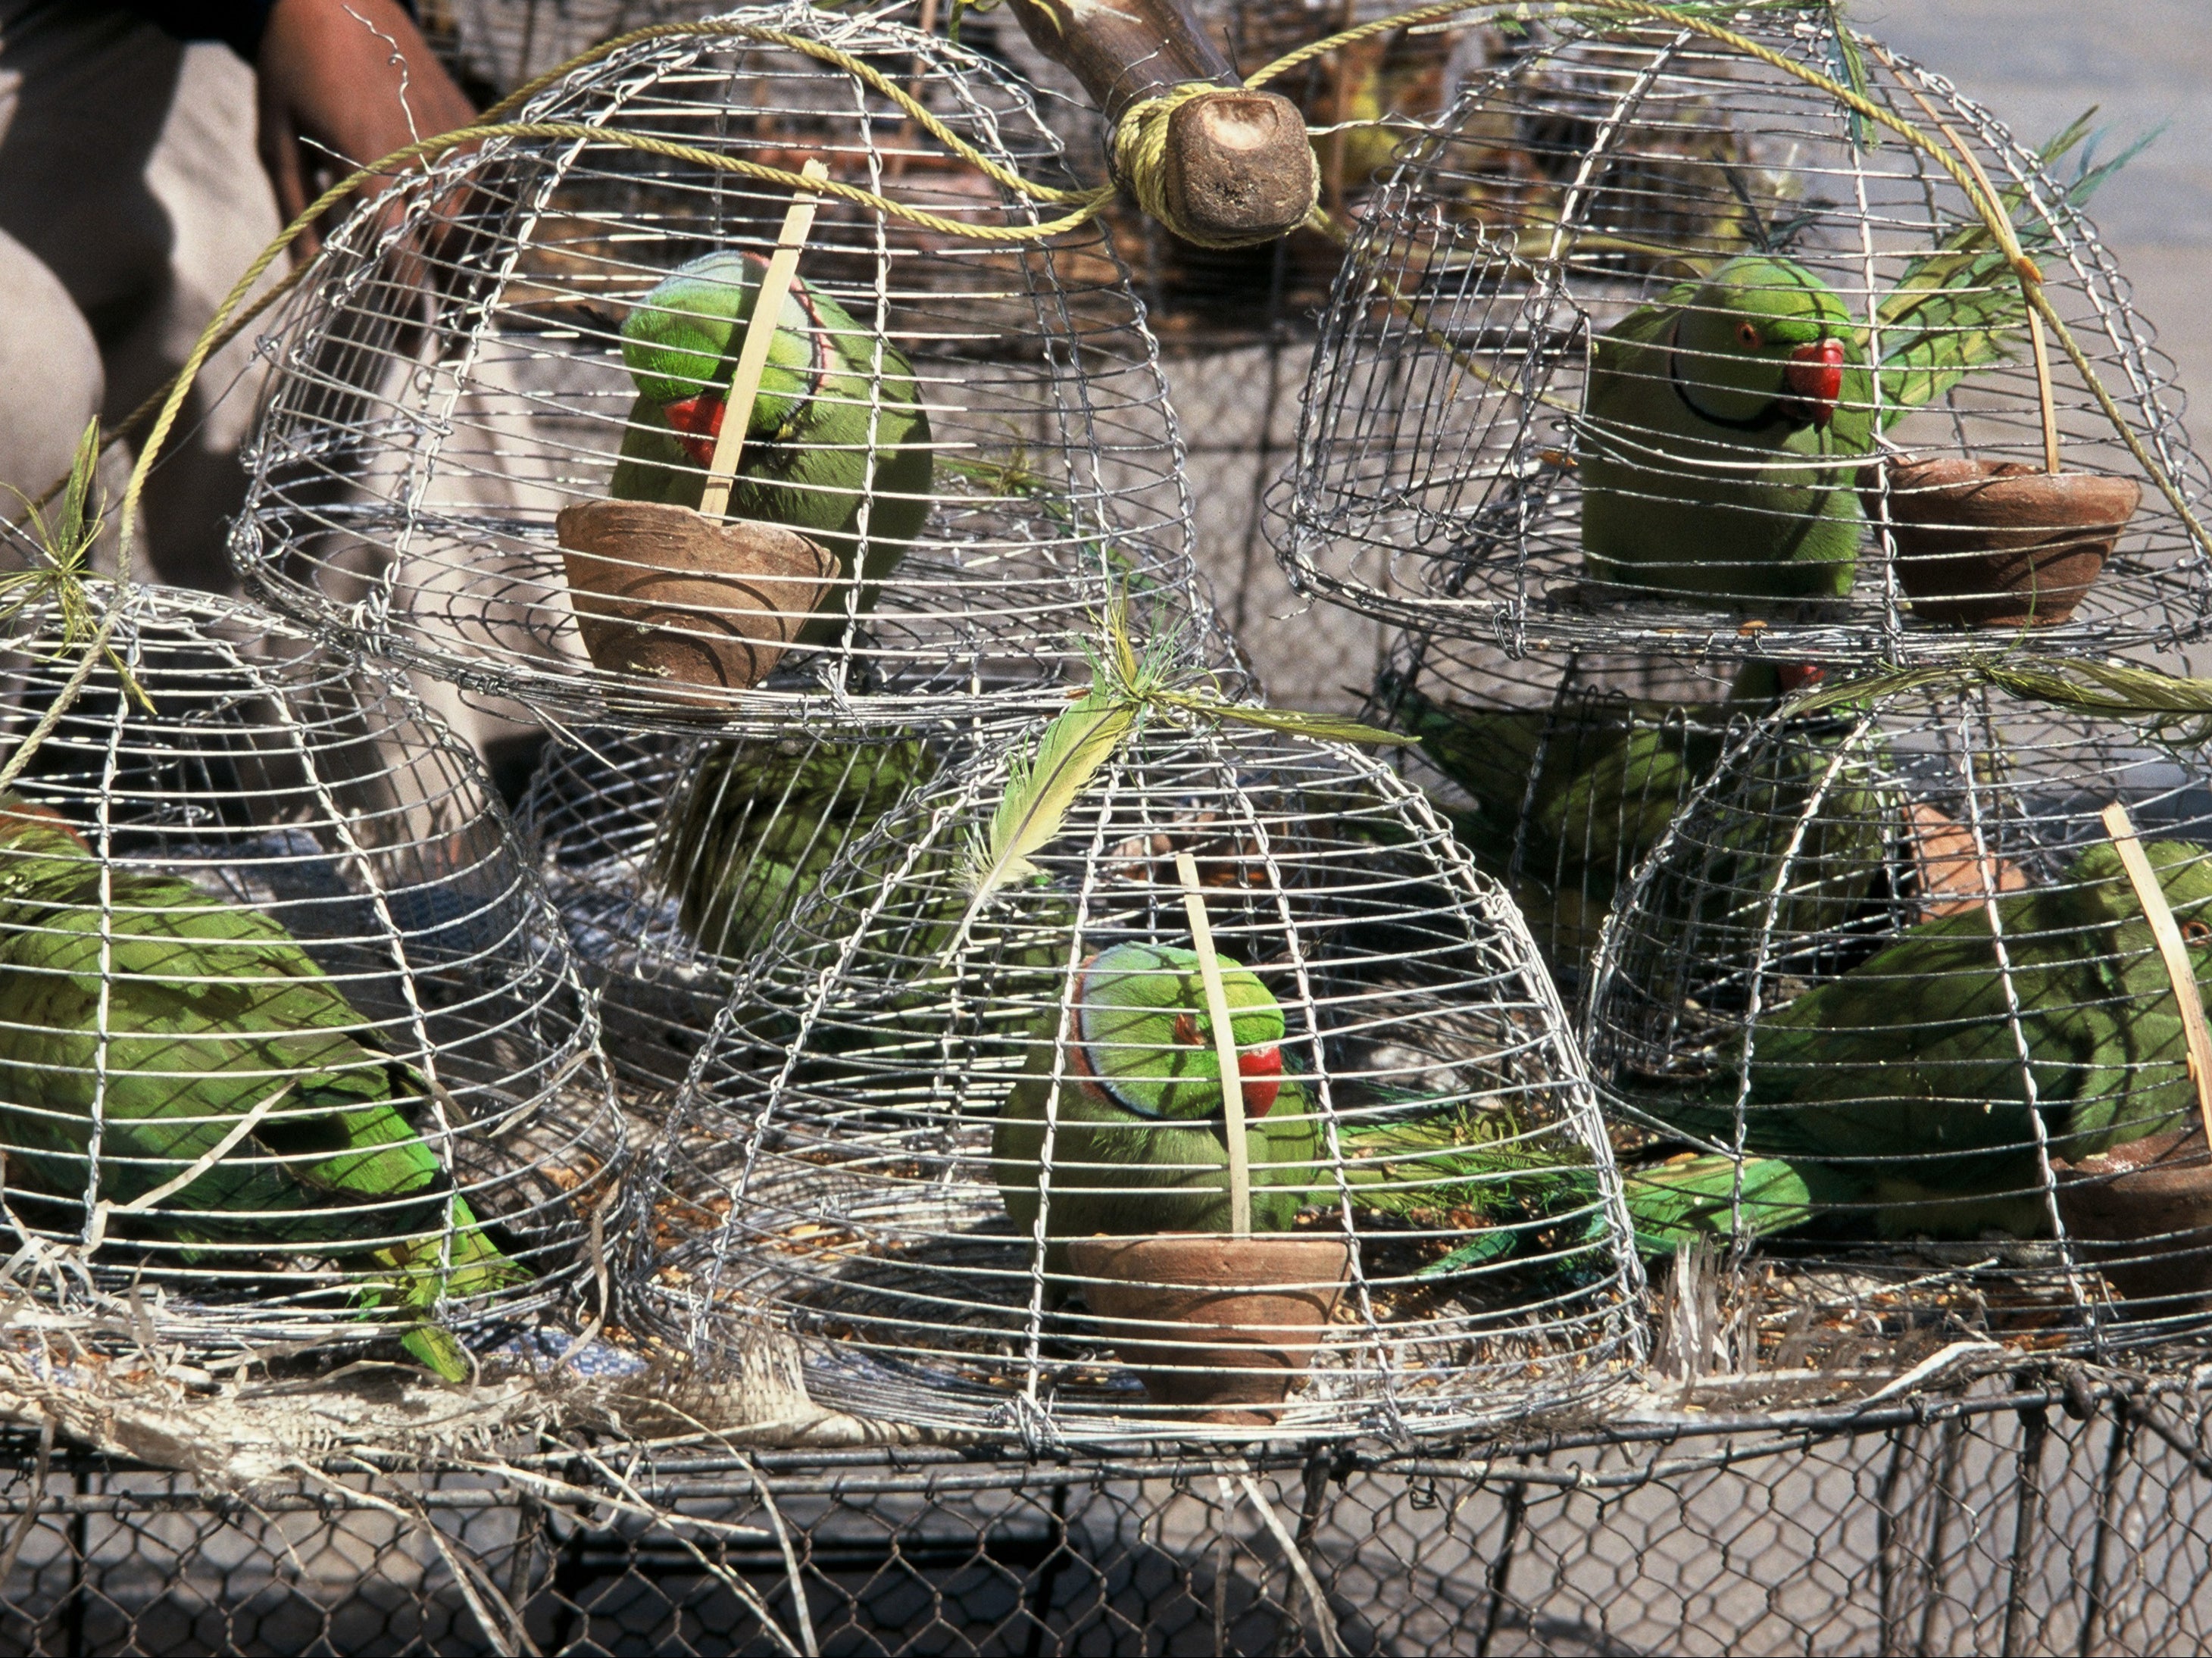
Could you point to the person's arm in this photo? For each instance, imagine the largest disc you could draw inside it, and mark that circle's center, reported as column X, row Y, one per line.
column 326, row 75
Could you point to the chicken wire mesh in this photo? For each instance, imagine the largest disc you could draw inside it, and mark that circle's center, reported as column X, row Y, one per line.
column 1651, row 344
column 2038, row 1519
column 291, row 1050
column 967, row 440
column 1898, row 962
column 919, row 1132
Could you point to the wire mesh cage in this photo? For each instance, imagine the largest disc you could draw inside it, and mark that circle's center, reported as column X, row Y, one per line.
column 1925, row 968
column 1652, row 340
column 291, row 1051
column 1559, row 775
column 498, row 402
column 675, row 861
column 920, row 1134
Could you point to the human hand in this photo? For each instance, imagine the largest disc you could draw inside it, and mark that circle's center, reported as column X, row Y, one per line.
column 327, row 76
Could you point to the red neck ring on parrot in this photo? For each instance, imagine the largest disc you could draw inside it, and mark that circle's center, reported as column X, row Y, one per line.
column 697, row 422
column 1795, row 676
column 1815, row 376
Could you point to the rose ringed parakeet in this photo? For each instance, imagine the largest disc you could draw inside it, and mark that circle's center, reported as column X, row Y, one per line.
column 755, row 824
column 1722, row 424
column 1138, row 1144
column 838, row 444
column 214, row 1013
column 1903, row 1075
column 1722, row 429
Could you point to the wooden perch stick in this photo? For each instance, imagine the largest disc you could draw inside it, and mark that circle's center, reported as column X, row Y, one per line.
column 752, row 358
column 1225, row 1048
column 2171, row 950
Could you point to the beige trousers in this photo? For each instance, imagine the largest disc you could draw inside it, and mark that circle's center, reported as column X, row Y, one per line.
column 132, row 199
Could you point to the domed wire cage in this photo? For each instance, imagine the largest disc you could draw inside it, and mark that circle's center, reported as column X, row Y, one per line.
column 1892, row 960
column 976, row 431
column 675, row 861
column 1650, row 345
column 293, row 1051
column 886, row 1092
column 1558, row 774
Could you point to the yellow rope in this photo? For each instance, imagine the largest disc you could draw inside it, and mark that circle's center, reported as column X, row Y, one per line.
column 1139, row 157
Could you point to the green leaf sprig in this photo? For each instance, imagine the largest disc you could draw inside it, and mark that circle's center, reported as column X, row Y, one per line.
column 1126, row 686
column 65, row 539
column 2120, row 689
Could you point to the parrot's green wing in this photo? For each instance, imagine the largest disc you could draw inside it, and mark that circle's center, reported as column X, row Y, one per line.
column 213, row 1014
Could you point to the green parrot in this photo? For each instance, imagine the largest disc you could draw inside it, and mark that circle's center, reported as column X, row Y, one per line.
column 1567, row 800
column 1139, row 1148
column 1911, row 1054
column 755, row 824
column 1723, row 426
column 838, row 422
column 210, row 1010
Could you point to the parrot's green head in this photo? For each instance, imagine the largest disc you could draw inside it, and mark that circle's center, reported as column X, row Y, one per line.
column 682, row 339
column 1143, row 1037
column 1763, row 342
column 2184, row 876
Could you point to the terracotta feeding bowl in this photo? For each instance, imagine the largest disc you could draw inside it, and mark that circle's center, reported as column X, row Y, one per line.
column 663, row 593
column 1219, row 1328
column 2141, row 1214
column 1995, row 544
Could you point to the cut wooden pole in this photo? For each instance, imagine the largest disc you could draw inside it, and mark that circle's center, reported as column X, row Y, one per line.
column 1225, row 1048
column 2171, row 950
column 752, row 357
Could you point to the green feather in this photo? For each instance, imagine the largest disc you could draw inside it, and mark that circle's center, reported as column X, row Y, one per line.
column 1039, row 794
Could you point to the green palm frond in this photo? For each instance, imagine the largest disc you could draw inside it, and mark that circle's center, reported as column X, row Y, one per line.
column 66, row 537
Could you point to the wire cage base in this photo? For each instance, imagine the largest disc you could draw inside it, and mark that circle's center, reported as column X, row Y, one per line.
column 2056, row 1516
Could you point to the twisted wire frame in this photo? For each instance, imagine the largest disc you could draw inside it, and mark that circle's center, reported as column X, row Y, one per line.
column 1558, row 774
column 1442, row 472
column 302, row 1027
column 675, row 861
column 831, row 1169
column 450, row 377
column 1889, row 960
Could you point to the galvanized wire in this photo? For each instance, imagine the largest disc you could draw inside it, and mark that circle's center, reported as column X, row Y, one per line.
column 449, row 377
column 276, row 799
column 1891, row 945
column 1448, row 438
column 829, row 1171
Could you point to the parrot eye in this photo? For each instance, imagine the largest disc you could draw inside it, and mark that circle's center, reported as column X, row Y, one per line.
column 1748, row 336
column 2196, row 933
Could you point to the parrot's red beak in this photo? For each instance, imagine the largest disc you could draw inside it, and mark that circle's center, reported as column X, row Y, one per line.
column 698, row 422
column 1263, row 1071
column 1795, row 676
column 1815, row 376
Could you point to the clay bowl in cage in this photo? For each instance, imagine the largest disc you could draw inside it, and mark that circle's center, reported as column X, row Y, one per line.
column 1892, row 961
column 899, row 1141
column 1579, row 389
column 1997, row 544
column 1219, row 1325
column 663, row 593
column 977, row 431
column 2142, row 1213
